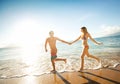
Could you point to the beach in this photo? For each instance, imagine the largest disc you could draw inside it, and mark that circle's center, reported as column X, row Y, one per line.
column 32, row 65
column 27, row 31
column 101, row 76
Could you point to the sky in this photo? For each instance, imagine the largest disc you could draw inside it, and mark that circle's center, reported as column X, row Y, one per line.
column 28, row 22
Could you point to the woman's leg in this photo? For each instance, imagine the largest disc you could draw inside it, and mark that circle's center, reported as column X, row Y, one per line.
column 82, row 59
column 94, row 57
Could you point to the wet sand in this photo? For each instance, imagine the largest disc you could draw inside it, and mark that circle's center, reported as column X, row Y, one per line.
column 101, row 76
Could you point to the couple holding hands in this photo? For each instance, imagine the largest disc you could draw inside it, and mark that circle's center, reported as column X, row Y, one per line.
column 84, row 37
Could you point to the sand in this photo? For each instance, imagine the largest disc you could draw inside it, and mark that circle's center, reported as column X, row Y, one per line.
column 101, row 76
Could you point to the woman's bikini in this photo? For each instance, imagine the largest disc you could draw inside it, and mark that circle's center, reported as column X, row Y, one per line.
column 84, row 38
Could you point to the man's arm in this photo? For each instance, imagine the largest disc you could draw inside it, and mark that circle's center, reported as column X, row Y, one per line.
column 93, row 40
column 76, row 39
column 62, row 40
column 46, row 44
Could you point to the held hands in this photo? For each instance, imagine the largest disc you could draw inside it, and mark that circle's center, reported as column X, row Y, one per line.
column 70, row 43
column 99, row 43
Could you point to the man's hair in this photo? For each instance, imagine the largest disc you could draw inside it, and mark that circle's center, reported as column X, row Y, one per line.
column 51, row 32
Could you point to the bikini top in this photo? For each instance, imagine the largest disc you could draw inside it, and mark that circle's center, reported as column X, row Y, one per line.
column 84, row 38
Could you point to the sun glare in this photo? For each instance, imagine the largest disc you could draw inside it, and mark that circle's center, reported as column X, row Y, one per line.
column 31, row 30
column 29, row 34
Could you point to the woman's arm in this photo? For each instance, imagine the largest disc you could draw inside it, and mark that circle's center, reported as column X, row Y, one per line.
column 76, row 39
column 93, row 40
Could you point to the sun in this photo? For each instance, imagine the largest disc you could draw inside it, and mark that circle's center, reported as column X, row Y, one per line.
column 29, row 31
column 29, row 34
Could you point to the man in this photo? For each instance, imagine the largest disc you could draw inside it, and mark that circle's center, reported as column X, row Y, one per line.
column 52, row 43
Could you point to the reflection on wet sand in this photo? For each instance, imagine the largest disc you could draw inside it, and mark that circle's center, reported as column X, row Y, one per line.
column 102, row 76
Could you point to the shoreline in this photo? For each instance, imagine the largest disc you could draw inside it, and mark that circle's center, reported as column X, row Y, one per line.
column 48, row 72
column 100, row 76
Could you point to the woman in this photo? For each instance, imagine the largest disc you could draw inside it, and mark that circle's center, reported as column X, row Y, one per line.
column 84, row 37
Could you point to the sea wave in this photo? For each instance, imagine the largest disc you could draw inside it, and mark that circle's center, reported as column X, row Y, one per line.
column 18, row 69
column 15, row 62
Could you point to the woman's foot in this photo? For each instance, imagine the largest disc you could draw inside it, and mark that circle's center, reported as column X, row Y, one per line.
column 99, row 66
column 99, row 60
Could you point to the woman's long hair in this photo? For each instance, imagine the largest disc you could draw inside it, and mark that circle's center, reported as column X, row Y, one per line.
column 84, row 30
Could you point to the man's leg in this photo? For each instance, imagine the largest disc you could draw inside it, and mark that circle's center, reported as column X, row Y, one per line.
column 60, row 59
column 53, row 65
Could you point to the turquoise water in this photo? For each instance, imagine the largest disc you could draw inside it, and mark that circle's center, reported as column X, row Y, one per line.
column 18, row 61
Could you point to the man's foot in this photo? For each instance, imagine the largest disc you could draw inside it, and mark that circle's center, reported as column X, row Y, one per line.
column 65, row 60
column 53, row 71
column 81, row 69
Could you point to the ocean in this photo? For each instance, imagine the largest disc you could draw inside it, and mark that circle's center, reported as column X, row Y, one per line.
column 33, row 60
